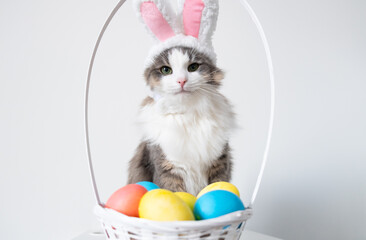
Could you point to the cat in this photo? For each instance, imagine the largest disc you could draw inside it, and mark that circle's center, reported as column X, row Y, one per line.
column 186, row 124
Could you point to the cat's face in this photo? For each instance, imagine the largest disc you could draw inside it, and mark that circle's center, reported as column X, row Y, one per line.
column 182, row 71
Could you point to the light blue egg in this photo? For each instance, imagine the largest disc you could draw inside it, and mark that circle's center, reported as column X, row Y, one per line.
column 217, row 203
column 148, row 185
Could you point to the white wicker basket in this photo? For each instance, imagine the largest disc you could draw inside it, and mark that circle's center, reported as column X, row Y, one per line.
column 227, row 227
column 119, row 226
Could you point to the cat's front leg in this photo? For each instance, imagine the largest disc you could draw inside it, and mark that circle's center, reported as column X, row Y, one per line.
column 167, row 178
column 221, row 168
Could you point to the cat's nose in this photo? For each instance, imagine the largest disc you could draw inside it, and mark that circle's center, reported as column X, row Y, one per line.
column 182, row 82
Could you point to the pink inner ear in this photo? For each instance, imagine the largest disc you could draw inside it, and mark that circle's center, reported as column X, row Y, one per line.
column 155, row 21
column 192, row 15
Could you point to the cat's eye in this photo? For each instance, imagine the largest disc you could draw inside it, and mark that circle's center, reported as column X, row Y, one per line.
column 193, row 67
column 166, row 70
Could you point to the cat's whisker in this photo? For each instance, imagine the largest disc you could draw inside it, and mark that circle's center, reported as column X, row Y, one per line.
column 211, row 92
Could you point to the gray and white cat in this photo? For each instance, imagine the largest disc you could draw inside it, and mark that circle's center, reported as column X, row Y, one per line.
column 186, row 124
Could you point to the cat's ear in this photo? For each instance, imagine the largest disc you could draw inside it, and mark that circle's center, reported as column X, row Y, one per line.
column 200, row 18
column 157, row 16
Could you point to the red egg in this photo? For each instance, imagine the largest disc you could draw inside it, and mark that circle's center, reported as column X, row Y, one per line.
column 126, row 200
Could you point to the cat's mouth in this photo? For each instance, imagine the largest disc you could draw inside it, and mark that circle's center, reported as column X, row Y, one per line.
column 183, row 91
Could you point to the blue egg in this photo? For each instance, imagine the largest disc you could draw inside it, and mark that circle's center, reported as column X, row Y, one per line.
column 148, row 185
column 217, row 203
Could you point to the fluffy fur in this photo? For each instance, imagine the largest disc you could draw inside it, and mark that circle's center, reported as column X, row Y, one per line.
column 191, row 128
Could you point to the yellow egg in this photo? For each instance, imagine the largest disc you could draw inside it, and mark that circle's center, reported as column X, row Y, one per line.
column 188, row 198
column 219, row 186
column 164, row 205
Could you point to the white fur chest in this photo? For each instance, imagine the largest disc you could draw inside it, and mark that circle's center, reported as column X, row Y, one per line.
column 191, row 138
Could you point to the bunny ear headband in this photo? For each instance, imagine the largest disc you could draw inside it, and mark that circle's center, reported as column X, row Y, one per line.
column 191, row 24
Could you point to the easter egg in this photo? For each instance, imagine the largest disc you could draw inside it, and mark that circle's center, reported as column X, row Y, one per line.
column 164, row 205
column 217, row 203
column 126, row 199
column 219, row 186
column 188, row 198
column 148, row 185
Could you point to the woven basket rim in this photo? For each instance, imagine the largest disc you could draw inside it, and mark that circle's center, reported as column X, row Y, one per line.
column 116, row 218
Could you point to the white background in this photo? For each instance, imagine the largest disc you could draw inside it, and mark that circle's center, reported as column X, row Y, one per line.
column 315, row 184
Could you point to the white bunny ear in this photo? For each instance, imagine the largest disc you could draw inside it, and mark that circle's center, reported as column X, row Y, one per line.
column 158, row 17
column 200, row 18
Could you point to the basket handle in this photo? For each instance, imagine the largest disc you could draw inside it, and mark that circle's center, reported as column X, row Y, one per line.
column 258, row 24
column 272, row 90
column 86, row 105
